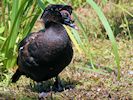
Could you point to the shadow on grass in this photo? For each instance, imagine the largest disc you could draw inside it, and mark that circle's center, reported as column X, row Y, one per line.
column 47, row 86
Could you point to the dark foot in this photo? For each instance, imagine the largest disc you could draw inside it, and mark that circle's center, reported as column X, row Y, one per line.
column 39, row 87
column 57, row 85
column 36, row 86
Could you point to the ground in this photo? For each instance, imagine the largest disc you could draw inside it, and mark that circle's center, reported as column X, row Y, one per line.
column 80, row 81
column 81, row 84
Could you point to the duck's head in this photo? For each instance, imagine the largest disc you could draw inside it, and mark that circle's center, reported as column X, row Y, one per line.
column 59, row 14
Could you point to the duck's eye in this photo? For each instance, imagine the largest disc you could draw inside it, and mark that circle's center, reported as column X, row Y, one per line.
column 65, row 15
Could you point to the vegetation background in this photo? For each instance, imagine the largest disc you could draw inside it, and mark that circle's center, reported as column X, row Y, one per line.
column 102, row 67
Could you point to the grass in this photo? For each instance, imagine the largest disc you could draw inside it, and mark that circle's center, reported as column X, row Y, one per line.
column 85, row 84
column 20, row 22
column 93, row 71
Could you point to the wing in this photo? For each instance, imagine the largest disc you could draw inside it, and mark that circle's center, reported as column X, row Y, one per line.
column 28, row 38
column 24, row 56
column 25, row 40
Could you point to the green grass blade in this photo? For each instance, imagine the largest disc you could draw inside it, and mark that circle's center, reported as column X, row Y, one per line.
column 2, row 29
column 51, row 1
column 2, row 38
column 76, row 36
column 9, row 45
column 123, row 9
column 15, row 24
column 109, row 31
column 85, row 47
column 30, row 24
column 73, row 39
column 41, row 4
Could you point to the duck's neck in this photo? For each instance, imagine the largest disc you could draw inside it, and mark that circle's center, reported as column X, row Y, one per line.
column 51, row 23
column 56, row 28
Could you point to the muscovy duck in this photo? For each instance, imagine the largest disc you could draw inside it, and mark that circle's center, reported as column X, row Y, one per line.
column 43, row 55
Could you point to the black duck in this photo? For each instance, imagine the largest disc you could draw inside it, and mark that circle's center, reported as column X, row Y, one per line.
column 43, row 55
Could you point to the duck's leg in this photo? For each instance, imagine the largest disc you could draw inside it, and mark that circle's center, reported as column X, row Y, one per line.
column 39, row 87
column 42, row 93
column 57, row 84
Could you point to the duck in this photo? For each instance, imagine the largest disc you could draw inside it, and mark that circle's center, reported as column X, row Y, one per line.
column 44, row 54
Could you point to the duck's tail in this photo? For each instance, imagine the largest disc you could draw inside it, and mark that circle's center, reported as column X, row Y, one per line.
column 16, row 76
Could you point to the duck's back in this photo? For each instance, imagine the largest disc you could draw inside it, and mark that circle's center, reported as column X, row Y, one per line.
column 45, row 54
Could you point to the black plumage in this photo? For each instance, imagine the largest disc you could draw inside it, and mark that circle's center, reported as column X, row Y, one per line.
column 43, row 55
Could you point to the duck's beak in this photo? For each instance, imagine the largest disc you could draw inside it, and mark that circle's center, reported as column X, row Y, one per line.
column 68, row 21
column 73, row 26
